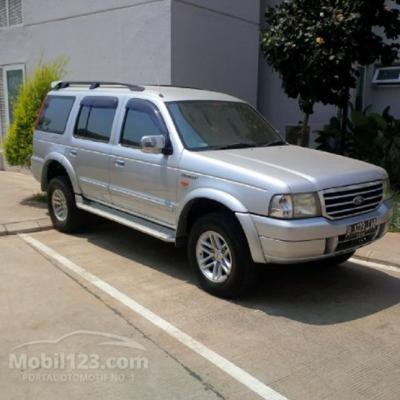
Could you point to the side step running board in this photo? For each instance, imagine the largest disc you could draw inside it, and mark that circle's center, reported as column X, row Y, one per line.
column 140, row 224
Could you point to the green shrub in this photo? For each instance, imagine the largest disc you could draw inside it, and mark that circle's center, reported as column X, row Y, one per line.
column 395, row 223
column 370, row 137
column 18, row 141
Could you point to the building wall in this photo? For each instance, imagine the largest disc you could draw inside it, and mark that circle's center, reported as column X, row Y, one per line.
column 212, row 44
column 128, row 40
column 215, row 45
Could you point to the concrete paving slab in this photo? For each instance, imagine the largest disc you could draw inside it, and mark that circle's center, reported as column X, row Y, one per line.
column 386, row 250
column 40, row 303
column 17, row 202
column 19, row 209
column 301, row 326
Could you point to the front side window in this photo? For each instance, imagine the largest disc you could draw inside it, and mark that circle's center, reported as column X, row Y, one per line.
column 142, row 119
column 55, row 114
column 96, row 118
column 217, row 125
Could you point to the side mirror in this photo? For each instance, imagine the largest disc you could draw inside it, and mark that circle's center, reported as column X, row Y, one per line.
column 153, row 144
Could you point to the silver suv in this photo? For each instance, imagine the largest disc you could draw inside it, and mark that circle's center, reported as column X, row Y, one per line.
column 204, row 170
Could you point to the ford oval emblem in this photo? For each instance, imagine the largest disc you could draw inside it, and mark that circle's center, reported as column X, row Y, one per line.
column 358, row 201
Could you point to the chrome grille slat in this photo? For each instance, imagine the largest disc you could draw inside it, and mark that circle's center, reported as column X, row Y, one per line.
column 351, row 202
column 340, row 202
column 347, row 195
column 352, row 209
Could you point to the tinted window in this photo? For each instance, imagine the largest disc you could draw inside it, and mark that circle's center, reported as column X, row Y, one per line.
column 55, row 114
column 95, row 123
column 142, row 119
column 82, row 121
column 205, row 125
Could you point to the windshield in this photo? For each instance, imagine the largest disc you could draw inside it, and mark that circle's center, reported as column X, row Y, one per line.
column 217, row 125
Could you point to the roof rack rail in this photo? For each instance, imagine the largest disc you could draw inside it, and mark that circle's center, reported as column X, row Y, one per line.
column 173, row 86
column 95, row 84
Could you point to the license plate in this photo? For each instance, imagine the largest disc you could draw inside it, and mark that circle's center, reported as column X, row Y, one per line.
column 362, row 228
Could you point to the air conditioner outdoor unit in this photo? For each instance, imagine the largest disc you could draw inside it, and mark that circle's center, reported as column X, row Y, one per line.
column 387, row 76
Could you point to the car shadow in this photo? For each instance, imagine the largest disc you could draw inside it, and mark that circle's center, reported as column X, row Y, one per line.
column 312, row 294
column 34, row 201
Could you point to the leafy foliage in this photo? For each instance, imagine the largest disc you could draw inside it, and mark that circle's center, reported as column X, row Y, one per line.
column 18, row 141
column 316, row 45
column 370, row 137
column 395, row 222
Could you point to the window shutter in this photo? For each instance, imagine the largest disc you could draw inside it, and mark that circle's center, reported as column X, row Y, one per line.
column 3, row 13
column 14, row 12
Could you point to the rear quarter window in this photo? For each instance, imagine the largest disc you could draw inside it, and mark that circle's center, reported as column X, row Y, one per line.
column 55, row 114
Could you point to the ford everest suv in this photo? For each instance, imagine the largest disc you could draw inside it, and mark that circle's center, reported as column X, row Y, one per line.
column 204, row 170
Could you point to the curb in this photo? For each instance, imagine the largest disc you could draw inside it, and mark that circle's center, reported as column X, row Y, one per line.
column 378, row 261
column 38, row 225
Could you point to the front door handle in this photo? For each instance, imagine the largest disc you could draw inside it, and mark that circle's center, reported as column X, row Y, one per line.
column 120, row 163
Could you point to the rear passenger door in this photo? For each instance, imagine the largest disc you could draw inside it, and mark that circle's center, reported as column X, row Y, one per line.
column 91, row 150
column 141, row 183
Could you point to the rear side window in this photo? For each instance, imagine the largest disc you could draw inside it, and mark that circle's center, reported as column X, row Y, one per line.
column 55, row 114
column 142, row 119
column 96, row 117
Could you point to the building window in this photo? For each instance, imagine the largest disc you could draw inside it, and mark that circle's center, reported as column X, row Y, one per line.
column 387, row 76
column 10, row 13
column 13, row 78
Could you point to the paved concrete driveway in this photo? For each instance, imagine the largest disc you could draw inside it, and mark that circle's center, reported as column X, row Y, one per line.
column 305, row 332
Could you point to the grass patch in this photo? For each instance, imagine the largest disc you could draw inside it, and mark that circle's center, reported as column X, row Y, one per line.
column 40, row 197
column 395, row 223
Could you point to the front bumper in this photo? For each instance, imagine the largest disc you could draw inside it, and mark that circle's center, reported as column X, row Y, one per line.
column 288, row 241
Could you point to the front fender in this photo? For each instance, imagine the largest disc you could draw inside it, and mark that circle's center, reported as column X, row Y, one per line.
column 229, row 201
column 67, row 166
column 224, row 198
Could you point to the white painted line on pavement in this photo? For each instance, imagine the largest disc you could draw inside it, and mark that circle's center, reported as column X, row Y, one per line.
column 222, row 363
column 374, row 265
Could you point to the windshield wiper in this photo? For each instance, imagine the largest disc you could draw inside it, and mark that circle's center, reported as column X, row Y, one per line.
column 235, row 146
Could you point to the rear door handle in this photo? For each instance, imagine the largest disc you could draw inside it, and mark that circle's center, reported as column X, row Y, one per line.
column 120, row 163
column 73, row 152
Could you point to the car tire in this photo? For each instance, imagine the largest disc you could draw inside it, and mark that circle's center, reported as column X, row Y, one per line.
column 64, row 214
column 218, row 239
column 338, row 260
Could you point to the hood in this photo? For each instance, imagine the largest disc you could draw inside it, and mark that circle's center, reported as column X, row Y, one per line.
column 297, row 168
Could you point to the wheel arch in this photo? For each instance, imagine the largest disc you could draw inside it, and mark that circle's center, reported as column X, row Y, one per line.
column 56, row 164
column 202, row 201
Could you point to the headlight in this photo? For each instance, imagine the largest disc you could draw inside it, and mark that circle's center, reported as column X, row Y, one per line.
column 287, row 206
column 387, row 191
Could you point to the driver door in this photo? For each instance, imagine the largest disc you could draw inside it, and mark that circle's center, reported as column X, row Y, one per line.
column 141, row 183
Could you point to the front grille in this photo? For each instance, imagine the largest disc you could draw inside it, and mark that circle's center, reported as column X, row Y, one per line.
column 347, row 201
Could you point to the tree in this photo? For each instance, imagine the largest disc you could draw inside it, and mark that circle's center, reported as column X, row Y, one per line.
column 316, row 46
column 18, row 141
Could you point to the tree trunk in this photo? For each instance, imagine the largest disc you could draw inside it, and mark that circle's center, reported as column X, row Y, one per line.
column 302, row 138
column 344, row 122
